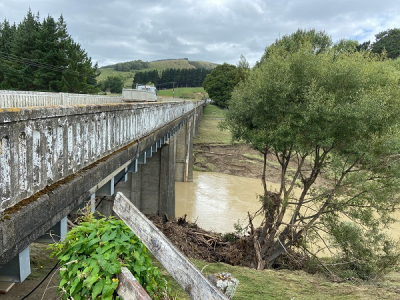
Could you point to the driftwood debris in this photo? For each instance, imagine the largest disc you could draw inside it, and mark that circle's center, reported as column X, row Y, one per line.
column 184, row 272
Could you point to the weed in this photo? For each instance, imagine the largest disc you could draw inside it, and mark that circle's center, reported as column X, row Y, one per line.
column 92, row 255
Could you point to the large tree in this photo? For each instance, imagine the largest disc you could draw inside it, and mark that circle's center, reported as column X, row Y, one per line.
column 113, row 84
column 42, row 56
column 389, row 41
column 330, row 119
column 220, row 83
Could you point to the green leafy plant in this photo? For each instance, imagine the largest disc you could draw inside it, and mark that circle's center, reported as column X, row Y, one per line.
column 364, row 254
column 91, row 257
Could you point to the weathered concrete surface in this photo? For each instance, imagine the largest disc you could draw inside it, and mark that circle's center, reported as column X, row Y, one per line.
column 41, row 146
column 27, row 221
column 184, row 151
column 152, row 188
column 225, row 282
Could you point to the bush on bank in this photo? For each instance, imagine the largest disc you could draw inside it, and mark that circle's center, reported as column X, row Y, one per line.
column 91, row 257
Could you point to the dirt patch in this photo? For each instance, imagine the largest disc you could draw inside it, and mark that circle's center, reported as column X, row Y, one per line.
column 242, row 160
column 238, row 160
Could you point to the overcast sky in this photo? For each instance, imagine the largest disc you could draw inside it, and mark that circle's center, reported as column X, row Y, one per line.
column 209, row 30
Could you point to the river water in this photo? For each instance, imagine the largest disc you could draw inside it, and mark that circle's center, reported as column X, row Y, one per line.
column 216, row 201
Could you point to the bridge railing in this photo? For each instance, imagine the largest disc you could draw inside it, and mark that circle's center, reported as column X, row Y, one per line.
column 20, row 99
column 40, row 146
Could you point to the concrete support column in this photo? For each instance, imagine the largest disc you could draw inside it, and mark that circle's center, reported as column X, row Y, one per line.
column 136, row 187
column 167, row 179
column 198, row 114
column 152, row 188
column 184, row 153
column 150, row 185
column 157, row 195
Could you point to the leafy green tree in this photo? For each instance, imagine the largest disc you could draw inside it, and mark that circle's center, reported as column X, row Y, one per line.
column 330, row 119
column 346, row 46
column 388, row 40
column 114, row 84
column 318, row 40
column 130, row 65
column 220, row 83
column 366, row 46
column 243, row 69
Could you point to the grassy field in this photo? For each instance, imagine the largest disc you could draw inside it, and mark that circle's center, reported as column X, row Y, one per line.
column 197, row 93
column 128, row 76
column 294, row 285
column 209, row 132
column 180, row 64
column 253, row 284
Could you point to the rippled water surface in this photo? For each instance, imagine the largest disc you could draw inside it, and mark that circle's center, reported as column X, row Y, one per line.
column 216, row 201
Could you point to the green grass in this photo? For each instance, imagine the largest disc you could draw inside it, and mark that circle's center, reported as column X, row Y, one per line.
column 259, row 285
column 252, row 156
column 197, row 93
column 170, row 64
column 209, row 132
column 128, row 76
column 212, row 111
column 295, row 285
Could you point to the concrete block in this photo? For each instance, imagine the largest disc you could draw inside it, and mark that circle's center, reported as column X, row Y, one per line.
column 225, row 282
column 17, row 269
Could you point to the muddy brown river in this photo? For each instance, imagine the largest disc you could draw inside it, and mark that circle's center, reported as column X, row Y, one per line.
column 216, row 201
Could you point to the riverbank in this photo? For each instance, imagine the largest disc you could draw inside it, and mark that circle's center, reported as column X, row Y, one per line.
column 240, row 160
column 214, row 152
column 206, row 252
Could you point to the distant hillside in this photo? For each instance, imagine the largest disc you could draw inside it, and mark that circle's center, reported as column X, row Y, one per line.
column 131, row 67
column 181, row 64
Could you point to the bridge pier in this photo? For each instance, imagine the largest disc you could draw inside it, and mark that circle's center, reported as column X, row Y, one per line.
column 184, row 153
column 152, row 188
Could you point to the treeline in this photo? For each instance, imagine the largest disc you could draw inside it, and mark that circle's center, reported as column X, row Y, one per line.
column 388, row 41
column 172, row 78
column 42, row 56
column 130, row 65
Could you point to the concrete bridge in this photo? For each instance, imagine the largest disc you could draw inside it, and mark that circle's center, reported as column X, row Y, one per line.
column 57, row 158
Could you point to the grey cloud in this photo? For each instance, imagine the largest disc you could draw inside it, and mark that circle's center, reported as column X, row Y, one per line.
column 213, row 30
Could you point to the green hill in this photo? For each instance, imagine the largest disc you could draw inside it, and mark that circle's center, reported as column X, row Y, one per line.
column 158, row 65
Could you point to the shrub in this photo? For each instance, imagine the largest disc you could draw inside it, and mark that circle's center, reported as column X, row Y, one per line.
column 364, row 254
column 91, row 257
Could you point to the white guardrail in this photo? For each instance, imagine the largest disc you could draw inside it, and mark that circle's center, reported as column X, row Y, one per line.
column 11, row 99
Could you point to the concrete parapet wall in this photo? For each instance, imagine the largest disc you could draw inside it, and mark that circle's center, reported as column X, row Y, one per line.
column 41, row 146
column 9, row 99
